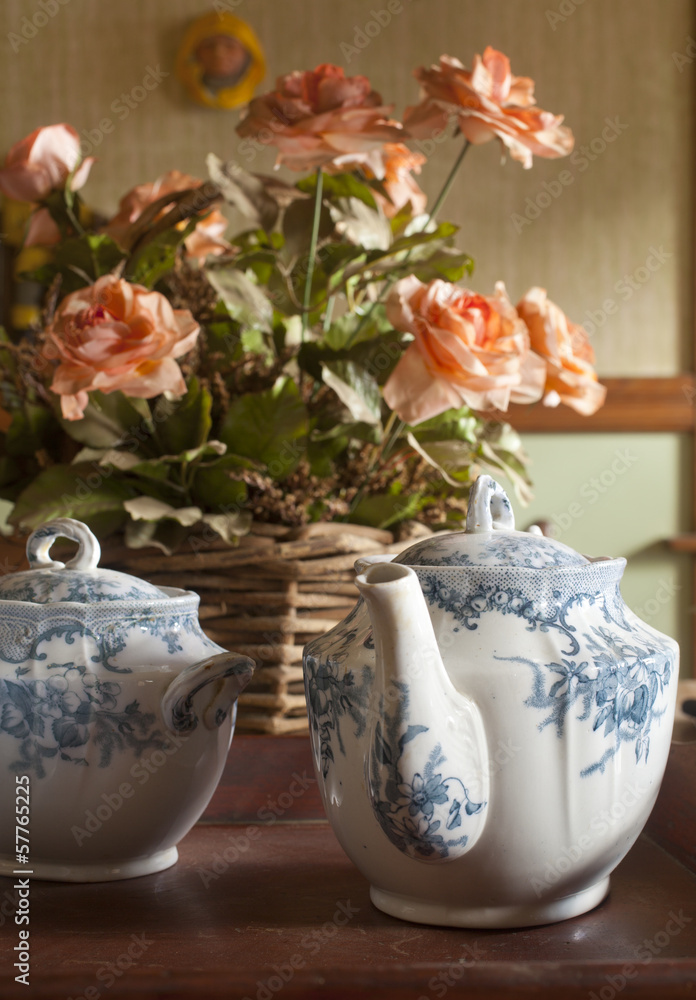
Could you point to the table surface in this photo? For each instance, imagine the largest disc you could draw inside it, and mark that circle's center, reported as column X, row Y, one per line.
column 258, row 910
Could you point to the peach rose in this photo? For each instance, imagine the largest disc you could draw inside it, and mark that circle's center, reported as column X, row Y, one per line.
column 488, row 102
column 468, row 349
column 318, row 117
column 42, row 162
column 205, row 239
column 570, row 376
column 115, row 335
column 42, row 231
column 400, row 164
column 396, row 174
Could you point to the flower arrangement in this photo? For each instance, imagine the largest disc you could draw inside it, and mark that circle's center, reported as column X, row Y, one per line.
column 325, row 363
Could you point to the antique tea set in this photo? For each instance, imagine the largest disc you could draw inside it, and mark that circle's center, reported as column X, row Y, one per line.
column 486, row 702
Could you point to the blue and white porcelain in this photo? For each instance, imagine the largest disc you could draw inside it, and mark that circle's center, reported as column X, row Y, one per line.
column 116, row 711
column 490, row 724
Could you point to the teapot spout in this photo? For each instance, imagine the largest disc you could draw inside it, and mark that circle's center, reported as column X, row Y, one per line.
column 405, row 643
column 428, row 770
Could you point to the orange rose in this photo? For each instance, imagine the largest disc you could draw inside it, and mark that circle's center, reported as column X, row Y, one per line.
column 488, row 102
column 42, row 162
column 115, row 335
column 570, row 376
column 399, row 166
column 319, row 117
column 205, row 239
column 468, row 349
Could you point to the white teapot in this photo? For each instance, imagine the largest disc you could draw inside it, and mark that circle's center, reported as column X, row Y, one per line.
column 103, row 677
column 490, row 724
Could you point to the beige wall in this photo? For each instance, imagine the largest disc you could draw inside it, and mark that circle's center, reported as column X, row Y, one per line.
column 609, row 60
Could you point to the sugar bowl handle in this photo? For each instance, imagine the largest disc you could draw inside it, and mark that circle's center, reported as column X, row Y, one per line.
column 230, row 672
column 41, row 540
column 489, row 507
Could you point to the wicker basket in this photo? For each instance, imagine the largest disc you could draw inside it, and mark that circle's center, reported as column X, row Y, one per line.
column 265, row 598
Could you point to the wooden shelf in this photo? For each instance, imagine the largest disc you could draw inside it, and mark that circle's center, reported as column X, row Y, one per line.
column 636, row 405
column 225, row 933
column 683, row 543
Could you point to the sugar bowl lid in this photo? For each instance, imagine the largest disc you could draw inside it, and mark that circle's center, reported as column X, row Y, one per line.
column 77, row 581
column 490, row 538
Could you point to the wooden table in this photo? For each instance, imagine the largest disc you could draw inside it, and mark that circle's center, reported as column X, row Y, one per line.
column 257, row 909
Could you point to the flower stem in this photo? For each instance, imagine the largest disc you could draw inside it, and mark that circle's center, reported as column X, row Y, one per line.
column 312, row 252
column 379, row 453
column 328, row 312
column 392, row 440
column 440, row 200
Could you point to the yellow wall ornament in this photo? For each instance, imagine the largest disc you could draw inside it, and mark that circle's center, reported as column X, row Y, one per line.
column 220, row 61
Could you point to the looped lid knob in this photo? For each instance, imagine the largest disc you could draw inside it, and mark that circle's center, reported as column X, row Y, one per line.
column 79, row 580
column 489, row 507
column 41, row 540
column 490, row 539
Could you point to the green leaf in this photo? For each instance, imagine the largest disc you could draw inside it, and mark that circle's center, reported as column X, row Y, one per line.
column 445, row 262
column 368, row 433
column 223, row 333
column 333, row 258
column 165, row 535
column 155, row 469
column 185, row 423
column 402, row 219
column 404, row 255
column 230, row 526
column 322, row 453
column 254, row 342
column 348, row 185
column 150, row 509
column 443, row 231
column 381, row 510
column 244, row 300
column 57, row 202
column 365, row 227
column 111, row 420
column 269, row 426
column 78, row 491
column 501, row 450
column 497, row 462
column 459, row 424
column 356, row 388
column 159, row 468
column 377, row 356
column 214, row 486
column 448, row 457
column 249, row 193
column 158, row 256
column 122, row 460
column 30, row 428
column 297, row 229
column 353, row 328
column 91, row 254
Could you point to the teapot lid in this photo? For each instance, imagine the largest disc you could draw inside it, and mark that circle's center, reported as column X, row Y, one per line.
column 490, row 538
column 79, row 580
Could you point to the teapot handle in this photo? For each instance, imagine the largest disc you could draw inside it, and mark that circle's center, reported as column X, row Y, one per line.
column 489, row 507
column 41, row 540
column 229, row 671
